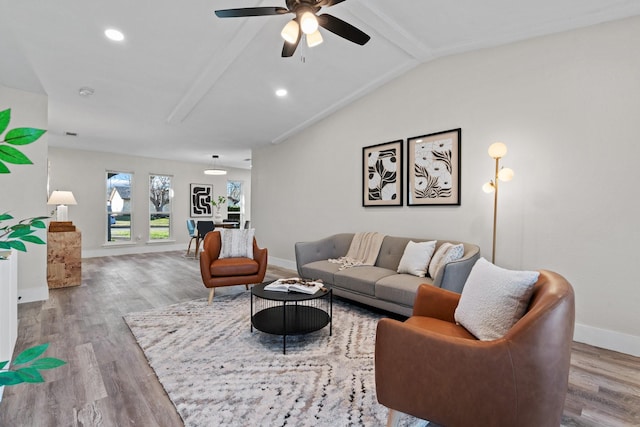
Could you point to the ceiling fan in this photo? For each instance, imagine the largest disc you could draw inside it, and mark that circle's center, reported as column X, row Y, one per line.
column 306, row 21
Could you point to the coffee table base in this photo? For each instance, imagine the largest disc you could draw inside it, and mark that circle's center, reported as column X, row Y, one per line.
column 290, row 314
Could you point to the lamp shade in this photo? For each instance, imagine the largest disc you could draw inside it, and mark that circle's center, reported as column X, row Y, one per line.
column 314, row 39
column 62, row 198
column 308, row 22
column 488, row 187
column 290, row 31
column 497, row 150
column 506, row 174
column 213, row 170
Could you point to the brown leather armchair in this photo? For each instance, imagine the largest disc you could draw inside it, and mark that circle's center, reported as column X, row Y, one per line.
column 217, row 272
column 434, row 369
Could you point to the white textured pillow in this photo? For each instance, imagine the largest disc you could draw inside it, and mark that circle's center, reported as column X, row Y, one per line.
column 446, row 253
column 416, row 257
column 494, row 299
column 236, row 243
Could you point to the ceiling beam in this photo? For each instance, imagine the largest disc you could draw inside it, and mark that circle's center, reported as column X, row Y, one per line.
column 372, row 17
column 216, row 67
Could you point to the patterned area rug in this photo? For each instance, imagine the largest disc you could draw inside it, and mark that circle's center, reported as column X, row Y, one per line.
column 217, row 372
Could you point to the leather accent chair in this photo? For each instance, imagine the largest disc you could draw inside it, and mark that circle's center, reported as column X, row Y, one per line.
column 217, row 272
column 434, row 369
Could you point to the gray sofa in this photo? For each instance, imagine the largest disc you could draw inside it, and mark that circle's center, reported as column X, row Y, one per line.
column 379, row 285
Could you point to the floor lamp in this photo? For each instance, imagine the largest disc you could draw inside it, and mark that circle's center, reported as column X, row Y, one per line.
column 497, row 151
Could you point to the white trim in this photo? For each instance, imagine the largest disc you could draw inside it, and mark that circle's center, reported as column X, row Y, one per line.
column 605, row 338
column 33, row 294
column 283, row 263
column 132, row 249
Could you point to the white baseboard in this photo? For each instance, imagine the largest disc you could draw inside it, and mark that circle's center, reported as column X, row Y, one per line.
column 284, row 263
column 133, row 249
column 604, row 338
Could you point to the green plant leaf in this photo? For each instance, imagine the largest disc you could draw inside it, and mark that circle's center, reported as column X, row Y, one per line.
column 17, row 245
column 4, row 168
column 38, row 224
column 12, row 155
column 10, row 378
column 48, row 363
column 23, row 136
column 5, row 216
column 30, row 375
column 3, row 364
column 5, row 245
column 19, row 231
column 31, row 353
column 5, row 117
column 33, row 239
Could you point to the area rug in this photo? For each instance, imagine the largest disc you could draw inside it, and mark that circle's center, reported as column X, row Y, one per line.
column 217, row 372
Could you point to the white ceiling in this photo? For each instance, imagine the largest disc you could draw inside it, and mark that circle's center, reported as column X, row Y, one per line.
column 185, row 84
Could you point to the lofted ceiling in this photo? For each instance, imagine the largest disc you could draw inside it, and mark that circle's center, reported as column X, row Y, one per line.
column 185, row 84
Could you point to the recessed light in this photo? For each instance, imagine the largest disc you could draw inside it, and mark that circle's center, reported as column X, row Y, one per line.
column 113, row 34
column 281, row 92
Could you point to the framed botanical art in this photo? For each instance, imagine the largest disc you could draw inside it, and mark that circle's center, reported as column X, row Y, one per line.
column 200, row 198
column 382, row 174
column 433, row 169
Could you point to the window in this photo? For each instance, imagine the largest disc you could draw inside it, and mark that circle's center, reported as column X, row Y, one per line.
column 235, row 200
column 159, row 207
column 119, row 205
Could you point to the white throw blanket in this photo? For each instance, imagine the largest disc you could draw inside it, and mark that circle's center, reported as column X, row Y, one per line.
column 364, row 250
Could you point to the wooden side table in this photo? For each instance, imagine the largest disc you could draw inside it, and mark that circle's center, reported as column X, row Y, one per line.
column 64, row 259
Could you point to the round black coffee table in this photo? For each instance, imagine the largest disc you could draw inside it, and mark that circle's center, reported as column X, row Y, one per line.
column 290, row 313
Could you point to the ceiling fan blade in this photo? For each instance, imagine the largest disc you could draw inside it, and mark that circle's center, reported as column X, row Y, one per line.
column 328, row 3
column 251, row 11
column 289, row 48
column 343, row 29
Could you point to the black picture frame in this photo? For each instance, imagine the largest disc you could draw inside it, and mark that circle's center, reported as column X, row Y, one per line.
column 200, row 196
column 433, row 169
column 382, row 174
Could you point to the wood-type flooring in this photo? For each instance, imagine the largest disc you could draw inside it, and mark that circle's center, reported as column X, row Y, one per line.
column 107, row 381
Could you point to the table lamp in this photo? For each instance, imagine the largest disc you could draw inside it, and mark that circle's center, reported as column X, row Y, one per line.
column 62, row 199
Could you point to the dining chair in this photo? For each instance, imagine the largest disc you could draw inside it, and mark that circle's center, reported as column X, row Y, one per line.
column 203, row 228
column 191, row 227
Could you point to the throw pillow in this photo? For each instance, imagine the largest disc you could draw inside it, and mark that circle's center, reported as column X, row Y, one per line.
column 416, row 257
column 494, row 299
column 446, row 253
column 236, row 243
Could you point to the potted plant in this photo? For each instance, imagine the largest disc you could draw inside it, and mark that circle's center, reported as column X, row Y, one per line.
column 28, row 364
column 217, row 218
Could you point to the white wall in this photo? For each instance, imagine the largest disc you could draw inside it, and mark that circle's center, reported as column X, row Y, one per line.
column 83, row 173
column 566, row 105
column 23, row 192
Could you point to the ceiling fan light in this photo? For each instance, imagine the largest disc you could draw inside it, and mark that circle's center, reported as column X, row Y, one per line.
column 308, row 23
column 290, row 31
column 314, row 39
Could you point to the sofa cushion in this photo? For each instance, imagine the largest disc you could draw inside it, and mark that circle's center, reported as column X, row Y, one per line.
column 416, row 257
column 361, row 279
column 446, row 253
column 320, row 270
column 400, row 288
column 494, row 299
column 234, row 267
